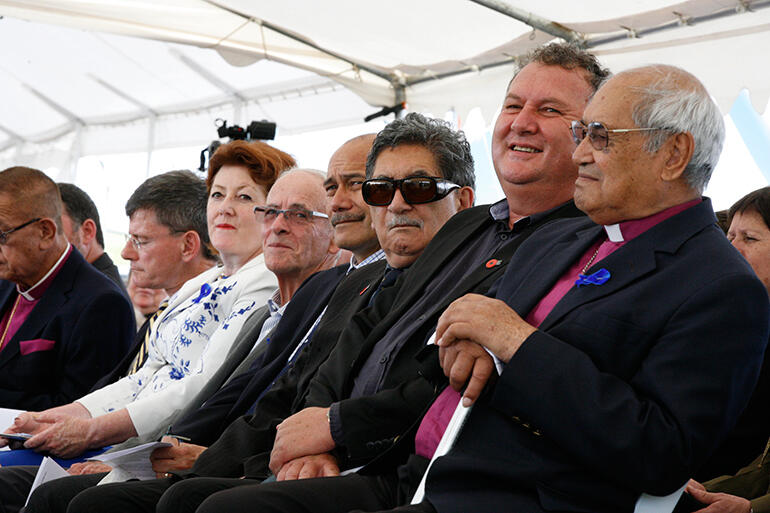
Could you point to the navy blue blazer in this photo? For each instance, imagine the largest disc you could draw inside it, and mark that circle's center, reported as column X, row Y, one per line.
column 626, row 387
column 90, row 324
column 235, row 398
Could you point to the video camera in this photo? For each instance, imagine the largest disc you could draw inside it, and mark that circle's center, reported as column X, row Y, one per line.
column 256, row 131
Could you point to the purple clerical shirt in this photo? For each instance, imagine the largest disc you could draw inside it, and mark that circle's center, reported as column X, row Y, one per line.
column 18, row 310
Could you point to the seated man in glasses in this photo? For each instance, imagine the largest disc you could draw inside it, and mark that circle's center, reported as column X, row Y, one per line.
column 56, row 311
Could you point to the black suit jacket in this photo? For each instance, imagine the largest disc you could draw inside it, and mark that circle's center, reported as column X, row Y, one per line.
column 85, row 325
column 235, row 398
column 107, row 267
column 121, row 369
column 244, row 447
column 373, row 424
column 626, row 387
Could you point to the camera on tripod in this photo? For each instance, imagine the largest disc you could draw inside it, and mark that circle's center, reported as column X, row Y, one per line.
column 256, row 131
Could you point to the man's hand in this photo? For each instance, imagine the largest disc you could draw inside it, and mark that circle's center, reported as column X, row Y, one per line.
column 180, row 456
column 717, row 502
column 65, row 438
column 306, row 467
column 466, row 362
column 303, row 434
column 486, row 321
column 88, row 467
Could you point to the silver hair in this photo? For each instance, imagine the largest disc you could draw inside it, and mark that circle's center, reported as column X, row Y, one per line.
column 666, row 103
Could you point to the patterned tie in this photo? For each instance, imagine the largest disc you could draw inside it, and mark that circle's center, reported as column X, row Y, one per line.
column 141, row 355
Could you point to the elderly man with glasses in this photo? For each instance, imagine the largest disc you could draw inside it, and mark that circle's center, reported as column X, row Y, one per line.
column 56, row 312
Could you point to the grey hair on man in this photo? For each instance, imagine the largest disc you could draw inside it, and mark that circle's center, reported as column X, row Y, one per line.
column 178, row 199
column 677, row 102
column 449, row 147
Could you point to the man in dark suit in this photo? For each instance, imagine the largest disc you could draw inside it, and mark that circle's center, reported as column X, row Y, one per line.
column 56, row 312
column 80, row 221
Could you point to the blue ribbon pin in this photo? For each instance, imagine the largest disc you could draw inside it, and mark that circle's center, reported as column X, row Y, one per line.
column 600, row 277
column 205, row 291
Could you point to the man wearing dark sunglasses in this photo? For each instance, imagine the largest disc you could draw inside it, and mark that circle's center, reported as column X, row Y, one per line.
column 56, row 311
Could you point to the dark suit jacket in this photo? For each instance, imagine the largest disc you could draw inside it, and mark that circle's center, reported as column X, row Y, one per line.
column 91, row 325
column 372, row 424
column 626, row 387
column 106, row 266
column 244, row 447
column 121, row 369
column 235, row 398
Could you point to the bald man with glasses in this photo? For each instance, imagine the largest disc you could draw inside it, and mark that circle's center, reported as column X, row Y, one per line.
column 56, row 311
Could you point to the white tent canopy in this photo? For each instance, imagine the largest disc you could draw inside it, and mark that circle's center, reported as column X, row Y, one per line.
column 120, row 94
column 103, row 93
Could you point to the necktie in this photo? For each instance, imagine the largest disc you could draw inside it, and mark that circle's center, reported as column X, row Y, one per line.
column 391, row 275
column 141, row 355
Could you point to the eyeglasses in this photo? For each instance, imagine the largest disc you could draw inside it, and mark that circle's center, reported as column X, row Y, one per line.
column 140, row 243
column 4, row 235
column 297, row 216
column 415, row 190
column 598, row 134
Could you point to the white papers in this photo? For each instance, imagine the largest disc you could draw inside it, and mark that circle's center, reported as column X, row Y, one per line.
column 48, row 471
column 6, row 419
column 132, row 463
column 456, row 423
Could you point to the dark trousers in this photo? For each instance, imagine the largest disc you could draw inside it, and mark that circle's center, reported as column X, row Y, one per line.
column 15, row 483
column 322, row 495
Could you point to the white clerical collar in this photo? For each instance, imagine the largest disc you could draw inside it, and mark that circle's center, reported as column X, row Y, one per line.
column 613, row 232
column 27, row 294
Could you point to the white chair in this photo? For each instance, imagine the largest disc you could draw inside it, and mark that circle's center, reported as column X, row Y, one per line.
column 645, row 504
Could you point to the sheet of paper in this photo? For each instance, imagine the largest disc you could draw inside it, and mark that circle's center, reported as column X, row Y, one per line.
column 6, row 419
column 48, row 471
column 132, row 463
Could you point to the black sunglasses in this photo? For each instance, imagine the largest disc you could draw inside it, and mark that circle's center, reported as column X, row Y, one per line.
column 415, row 190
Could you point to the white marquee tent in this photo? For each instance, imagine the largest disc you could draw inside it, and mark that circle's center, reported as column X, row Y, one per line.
column 135, row 77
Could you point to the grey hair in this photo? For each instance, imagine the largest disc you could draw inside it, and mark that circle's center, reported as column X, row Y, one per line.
column 314, row 173
column 667, row 103
column 449, row 147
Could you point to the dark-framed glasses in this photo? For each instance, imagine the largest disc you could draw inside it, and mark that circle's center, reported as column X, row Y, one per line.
column 415, row 190
column 598, row 134
column 4, row 235
column 296, row 216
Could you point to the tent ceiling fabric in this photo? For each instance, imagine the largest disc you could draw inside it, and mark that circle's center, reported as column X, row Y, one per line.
column 230, row 58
